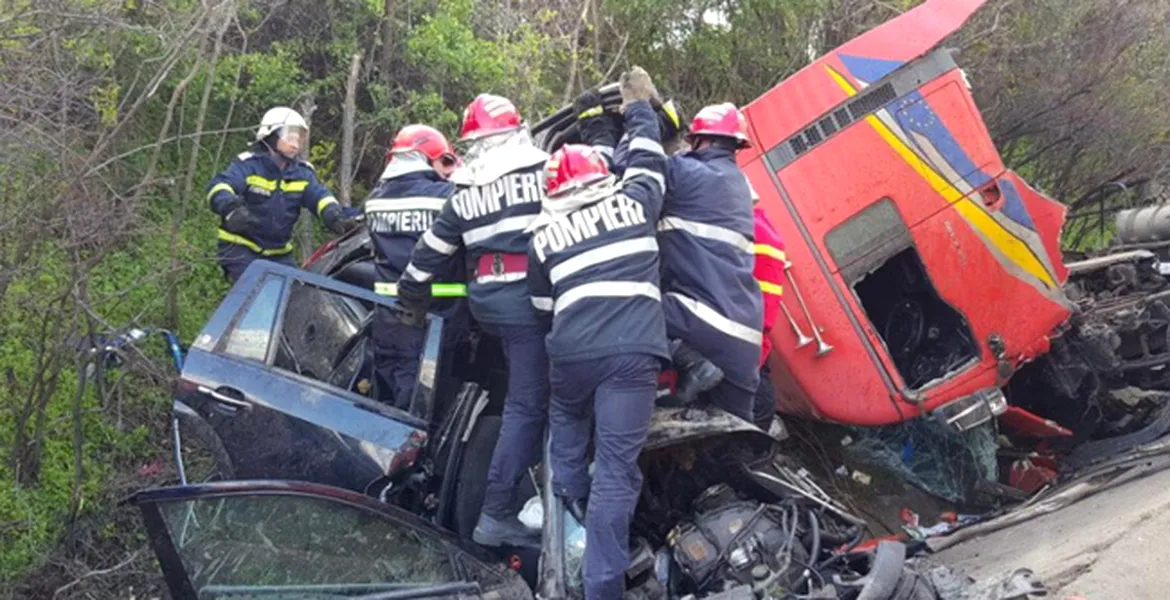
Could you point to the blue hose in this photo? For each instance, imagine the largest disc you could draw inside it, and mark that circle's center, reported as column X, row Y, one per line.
column 178, row 352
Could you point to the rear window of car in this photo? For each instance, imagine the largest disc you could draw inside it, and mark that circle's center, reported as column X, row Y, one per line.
column 305, row 329
column 250, row 337
column 318, row 329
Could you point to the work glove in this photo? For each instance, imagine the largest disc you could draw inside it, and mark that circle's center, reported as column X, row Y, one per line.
column 411, row 309
column 597, row 127
column 411, row 317
column 636, row 85
column 239, row 219
column 342, row 225
column 588, row 105
column 337, row 221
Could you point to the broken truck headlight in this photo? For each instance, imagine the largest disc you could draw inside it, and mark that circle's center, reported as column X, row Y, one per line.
column 972, row 411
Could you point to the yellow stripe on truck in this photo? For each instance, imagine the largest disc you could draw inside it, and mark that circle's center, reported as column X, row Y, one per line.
column 1011, row 246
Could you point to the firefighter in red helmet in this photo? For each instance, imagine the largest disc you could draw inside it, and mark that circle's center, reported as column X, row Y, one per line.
column 712, row 301
column 409, row 196
column 498, row 195
column 593, row 272
column 713, row 308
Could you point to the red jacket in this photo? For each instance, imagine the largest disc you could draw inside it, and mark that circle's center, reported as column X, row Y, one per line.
column 769, row 271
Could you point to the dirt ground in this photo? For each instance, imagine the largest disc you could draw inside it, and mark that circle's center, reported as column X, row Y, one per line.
column 1105, row 547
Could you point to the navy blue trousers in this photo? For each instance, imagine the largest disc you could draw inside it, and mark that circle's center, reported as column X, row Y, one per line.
column 619, row 392
column 525, row 416
column 734, row 399
column 396, row 351
column 234, row 259
column 764, row 406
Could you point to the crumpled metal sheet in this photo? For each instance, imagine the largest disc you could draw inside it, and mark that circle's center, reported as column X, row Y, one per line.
column 1090, row 453
column 953, row 584
column 670, row 426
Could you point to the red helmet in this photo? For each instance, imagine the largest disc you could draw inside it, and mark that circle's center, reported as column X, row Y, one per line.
column 573, row 167
column 422, row 138
column 722, row 120
column 488, row 115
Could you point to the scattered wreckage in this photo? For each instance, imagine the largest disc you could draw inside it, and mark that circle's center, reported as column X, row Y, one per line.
column 931, row 288
column 273, row 389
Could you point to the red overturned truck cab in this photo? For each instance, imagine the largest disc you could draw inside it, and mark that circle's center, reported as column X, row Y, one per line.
column 923, row 272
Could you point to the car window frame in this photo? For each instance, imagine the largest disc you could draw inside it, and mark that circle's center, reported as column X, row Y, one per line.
column 179, row 582
column 241, row 313
column 421, row 409
column 278, row 329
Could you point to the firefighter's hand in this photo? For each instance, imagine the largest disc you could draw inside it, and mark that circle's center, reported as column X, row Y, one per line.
column 412, row 305
column 597, row 127
column 411, row 317
column 239, row 220
column 342, row 225
column 337, row 221
column 636, row 85
column 588, row 105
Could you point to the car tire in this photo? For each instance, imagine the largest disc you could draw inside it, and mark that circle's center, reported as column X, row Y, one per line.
column 471, row 483
column 204, row 456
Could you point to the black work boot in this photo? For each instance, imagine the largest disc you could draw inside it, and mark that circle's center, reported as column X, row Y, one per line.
column 696, row 374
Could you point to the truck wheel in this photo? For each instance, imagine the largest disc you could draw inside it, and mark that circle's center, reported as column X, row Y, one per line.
column 471, row 484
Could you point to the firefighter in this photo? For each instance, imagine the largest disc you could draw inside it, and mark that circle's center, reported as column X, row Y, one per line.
column 599, row 129
column 499, row 195
column 409, row 196
column 260, row 195
column 712, row 302
column 769, row 273
column 593, row 274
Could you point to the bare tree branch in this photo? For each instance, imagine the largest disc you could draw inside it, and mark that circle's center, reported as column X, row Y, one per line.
column 344, row 176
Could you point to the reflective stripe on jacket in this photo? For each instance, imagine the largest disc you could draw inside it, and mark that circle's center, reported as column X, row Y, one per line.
column 707, row 237
column 486, row 215
column 274, row 196
column 593, row 270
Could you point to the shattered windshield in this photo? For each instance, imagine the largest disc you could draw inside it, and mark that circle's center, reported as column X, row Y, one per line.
column 298, row 547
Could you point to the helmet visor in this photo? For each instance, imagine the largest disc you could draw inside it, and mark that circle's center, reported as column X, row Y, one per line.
column 293, row 134
column 291, row 140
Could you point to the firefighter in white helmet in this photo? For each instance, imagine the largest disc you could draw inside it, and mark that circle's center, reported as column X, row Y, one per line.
column 260, row 195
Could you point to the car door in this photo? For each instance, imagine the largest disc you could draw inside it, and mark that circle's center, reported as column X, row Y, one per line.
column 286, row 539
column 280, row 374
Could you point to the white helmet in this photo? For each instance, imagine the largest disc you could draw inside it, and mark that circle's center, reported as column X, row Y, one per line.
column 277, row 118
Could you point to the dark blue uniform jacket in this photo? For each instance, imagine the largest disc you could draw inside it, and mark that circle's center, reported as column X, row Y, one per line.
column 274, row 196
column 399, row 212
column 706, row 233
column 497, row 197
column 593, row 265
